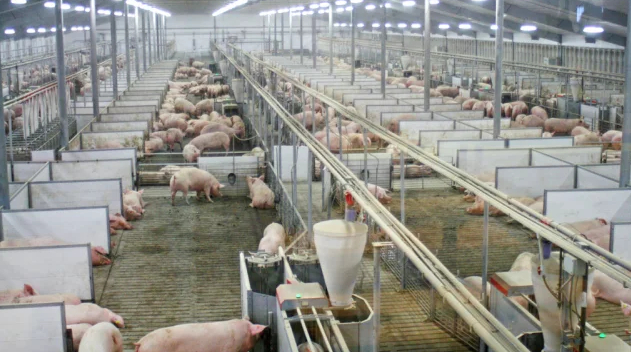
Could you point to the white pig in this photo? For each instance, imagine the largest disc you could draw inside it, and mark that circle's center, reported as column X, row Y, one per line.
column 91, row 314
column 190, row 153
column 78, row 330
column 10, row 295
column 380, row 193
column 102, row 337
column 192, row 179
column 610, row 290
column 273, row 237
column 213, row 140
column 262, row 196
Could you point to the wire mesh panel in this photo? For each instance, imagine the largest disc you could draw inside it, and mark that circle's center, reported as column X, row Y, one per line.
column 377, row 168
column 289, row 214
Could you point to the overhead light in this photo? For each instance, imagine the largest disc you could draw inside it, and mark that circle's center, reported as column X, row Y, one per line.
column 9, row 31
column 375, row 25
column 356, row 1
column 314, row 6
column 73, row 28
column 408, row 3
column 342, row 24
column 528, row 28
column 478, row 0
column 285, row 10
column 79, row 8
column 336, row 24
column 416, row 25
column 324, row 4
column 402, row 25
column 53, row 29
column 224, row 9
column 118, row 13
column 49, row 4
column 30, row 30
column 593, row 29
column 64, row 29
column 339, row 9
column 86, row 28
column 104, row 12
column 444, row 26
column 494, row 27
column 348, row 8
column 297, row 8
column 87, row 9
column 434, row 2
column 18, row 2
column 340, row 2
column 370, row 7
column 360, row 25
column 41, row 30
column 464, row 26
column 65, row 6
column 307, row 13
column 388, row 5
column 388, row 25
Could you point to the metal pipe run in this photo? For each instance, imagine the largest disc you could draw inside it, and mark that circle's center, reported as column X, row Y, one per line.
column 158, row 41
column 61, row 73
column 625, row 157
column 282, row 33
column 149, row 20
column 291, row 37
column 127, row 50
column 427, row 42
column 114, row 49
column 383, row 51
column 93, row 64
column 499, row 57
column 275, row 37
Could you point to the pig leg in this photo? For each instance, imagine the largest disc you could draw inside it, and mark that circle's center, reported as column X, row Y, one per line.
column 207, row 192
column 185, row 195
column 180, row 143
column 173, row 193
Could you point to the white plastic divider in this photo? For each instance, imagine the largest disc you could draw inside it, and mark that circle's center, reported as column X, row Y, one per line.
column 223, row 166
column 72, row 225
column 540, row 142
column 49, row 270
column 72, row 194
column 362, row 104
column 443, row 107
column 339, row 92
column 481, row 124
column 378, row 165
column 448, row 150
column 620, row 239
column 576, row 155
column 43, row 155
column 19, row 199
column 588, row 179
column 14, row 187
column 350, row 97
column 420, row 102
column 102, row 154
column 529, row 181
column 121, row 126
column 141, row 116
column 531, row 132
column 94, row 170
column 538, row 158
column 484, row 161
column 463, row 114
column 611, row 171
column 429, row 139
column 374, row 112
column 33, row 327
column 413, row 128
column 287, row 162
column 386, row 117
column 127, row 139
column 578, row 205
column 24, row 170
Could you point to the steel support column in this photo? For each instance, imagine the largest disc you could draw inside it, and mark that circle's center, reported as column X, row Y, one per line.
column 301, row 44
column 427, row 42
column 314, row 46
column 114, row 54
column 499, row 57
column 136, row 30
column 383, row 51
column 93, row 64
column 149, row 20
column 353, row 27
column 331, row 38
column 127, row 50
column 4, row 175
column 625, row 157
column 144, row 42
column 61, row 75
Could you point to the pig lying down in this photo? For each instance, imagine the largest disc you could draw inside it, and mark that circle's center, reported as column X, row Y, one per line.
column 102, row 337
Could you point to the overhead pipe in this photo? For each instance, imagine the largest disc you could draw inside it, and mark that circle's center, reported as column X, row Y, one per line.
column 114, row 49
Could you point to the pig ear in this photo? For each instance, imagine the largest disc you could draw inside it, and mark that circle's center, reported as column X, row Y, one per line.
column 603, row 221
column 28, row 289
column 262, row 177
column 256, row 329
column 221, row 186
column 141, row 191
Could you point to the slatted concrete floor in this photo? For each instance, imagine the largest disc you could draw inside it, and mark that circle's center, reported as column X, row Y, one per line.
column 180, row 264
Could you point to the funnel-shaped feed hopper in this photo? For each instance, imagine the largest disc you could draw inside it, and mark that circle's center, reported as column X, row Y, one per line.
column 406, row 61
column 575, row 86
column 340, row 246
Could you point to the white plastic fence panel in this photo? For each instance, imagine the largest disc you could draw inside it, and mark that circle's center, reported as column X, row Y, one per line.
column 575, row 155
column 620, row 241
column 287, row 162
column 532, row 181
column 378, row 165
column 540, row 159
column 540, row 142
column 94, row 170
column 121, row 126
column 362, row 104
column 72, row 194
column 23, row 171
column 445, row 107
column 127, row 139
column 481, row 124
column 14, row 187
column 579, row 205
column 222, row 166
column 608, row 170
column 447, row 150
column 374, row 112
column 480, row 162
column 386, row 117
column 19, row 199
column 72, row 226
column 42, row 155
column 519, row 132
column 350, row 97
column 101, row 154
column 586, row 179
column 412, row 128
column 71, row 272
column 33, row 328
column 463, row 115
column 429, row 139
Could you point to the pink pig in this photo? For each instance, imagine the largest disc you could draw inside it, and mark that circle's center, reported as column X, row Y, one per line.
column 214, row 140
column 233, row 336
column 10, row 295
column 193, row 179
column 273, row 237
column 134, row 200
column 118, row 222
column 91, row 314
column 190, row 153
column 102, row 337
column 78, row 330
column 380, row 193
column 261, row 195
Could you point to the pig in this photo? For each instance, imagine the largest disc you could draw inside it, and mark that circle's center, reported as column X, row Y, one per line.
column 507, row 110
column 474, row 285
column 199, row 126
column 522, row 262
column 157, row 126
column 118, row 222
column 217, row 127
column 223, row 336
column 600, row 236
column 519, row 108
column 540, row 112
column 102, row 337
column 174, row 135
column 580, row 227
column 192, row 179
column 608, row 137
column 616, row 142
column 213, row 140
column 9, row 296
column 130, row 213
column 160, row 134
column 537, row 206
column 563, row 126
column 448, row 91
column 98, row 256
column 357, row 140
column 273, row 237
column 221, row 120
column 531, row 121
column 547, row 135
column 393, row 125
column 191, row 153
column 478, row 208
column 175, row 122
column 525, row 200
column 489, row 109
column 97, row 253
column 153, row 144
column 66, row 298
column 587, row 139
column 262, row 196
column 318, row 108
column 204, row 107
column 184, row 106
column 380, row 193
column 578, row 130
column 479, row 105
column 610, row 290
column 91, row 314
column 78, row 330
column 134, row 200
column 309, row 119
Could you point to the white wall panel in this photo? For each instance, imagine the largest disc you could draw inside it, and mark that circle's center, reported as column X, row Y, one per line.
column 621, row 239
column 575, row 155
column 23, row 171
column 579, row 205
column 586, row 179
column 448, row 150
column 540, row 159
column 532, row 181
column 241, row 166
column 94, row 170
column 540, row 142
column 72, row 194
column 429, row 139
column 480, row 162
column 101, row 154
column 481, row 124
column 128, row 139
column 33, row 328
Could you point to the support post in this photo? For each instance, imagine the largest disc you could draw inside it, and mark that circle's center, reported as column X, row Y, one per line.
column 127, row 50
column 383, row 51
column 215, row 28
column 61, row 76
column 625, row 157
column 282, row 34
column 4, row 175
column 275, row 35
column 314, row 46
column 291, row 36
column 144, row 42
column 136, row 30
column 331, row 38
column 427, row 63
column 158, row 41
column 114, row 54
column 376, row 293
column 353, row 27
column 499, row 57
column 149, row 20
column 301, row 44
column 93, row 65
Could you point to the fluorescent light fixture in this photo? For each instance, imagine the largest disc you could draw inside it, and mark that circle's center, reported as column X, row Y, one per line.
column 336, row 24
column 87, row 9
column 64, row 29
column 18, row 2
column 348, row 8
column 307, row 13
column 444, row 26
column 593, row 29
column 324, row 4
column 340, row 2
column 49, row 4
column 9, row 31
column 402, row 25
column 360, row 25
column 104, row 12
column 339, row 9
column 79, row 8
column 41, row 30
column 314, row 6
column 343, row 24
column 375, row 25
column 224, row 9
column 370, row 7
column 118, row 13
column 388, row 5
column 464, row 26
column 494, row 27
column 434, row 2
column 528, row 28
column 30, row 30
column 285, row 10
column 86, row 28
column 416, row 25
column 53, row 29
column 388, row 25
column 73, row 28
column 297, row 8
column 408, row 3
column 65, row 6
column 356, row 1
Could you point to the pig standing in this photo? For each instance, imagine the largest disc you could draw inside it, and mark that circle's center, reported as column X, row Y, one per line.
column 190, row 153
column 468, row 104
column 581, row 227
column 217, row 127
column 273, row 237
column 174, row 135
column 600, row 236
column 192, row 179
column 184, row 106
column 261, row 195
column 608, row 137
column 474, row 286
column 78, row 330
column 11, row 295
column 225, row 336
column 380, row 193
column 213, row 140
column 563, row 126
column 540, row 112
column 531, row 121
column 91, row 314
column 102, row 337
column 153, row 144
